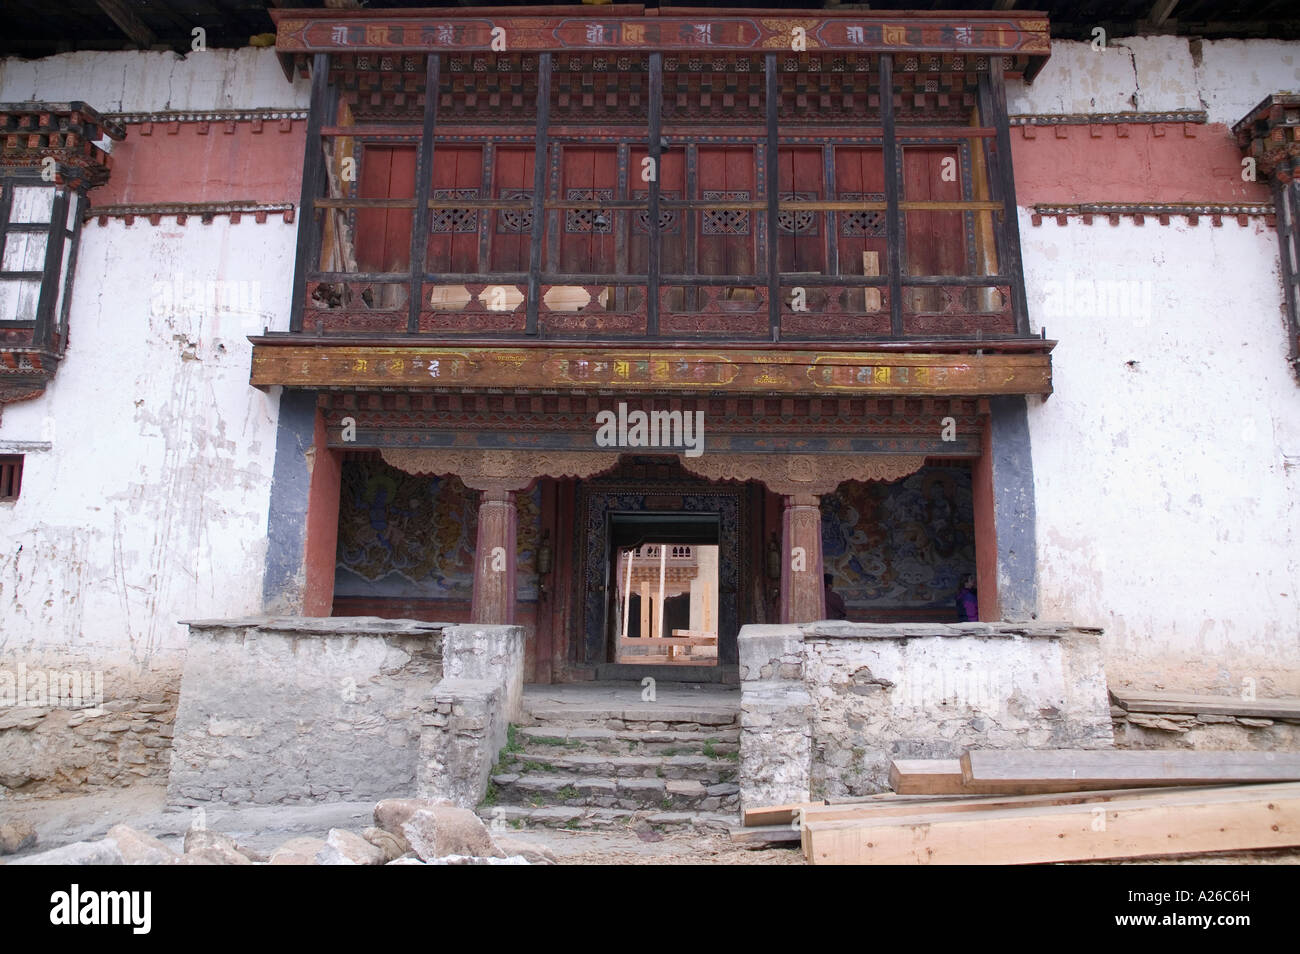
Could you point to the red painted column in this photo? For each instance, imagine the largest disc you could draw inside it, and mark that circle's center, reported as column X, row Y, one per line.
column 494, row 572
column 803, row 599
column 320, row 550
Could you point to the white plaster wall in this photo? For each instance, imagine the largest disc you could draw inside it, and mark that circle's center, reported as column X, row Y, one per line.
column 147, row 81
column 151, row 504
column 1227, row 78
column 1167, row 462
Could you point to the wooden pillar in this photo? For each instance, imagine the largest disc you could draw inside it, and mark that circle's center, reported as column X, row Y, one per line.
column 986, row 532
column 654, row 147
column 1002, row 180
column 423, row 187
column 771, row 186
column 645, row 609
column 494, row 573
column 320, row 549
column 802, row 597
column 307, row 256
column 893, row 218
column 540, row 153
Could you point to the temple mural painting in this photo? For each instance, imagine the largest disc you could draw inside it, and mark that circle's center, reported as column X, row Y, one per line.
column 406, row 536
column 901, row 544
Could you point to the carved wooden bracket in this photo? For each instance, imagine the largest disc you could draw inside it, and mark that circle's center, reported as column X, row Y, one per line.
column 803, row 473
column 500, row 470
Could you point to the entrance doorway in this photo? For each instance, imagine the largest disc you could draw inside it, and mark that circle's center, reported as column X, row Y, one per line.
column 663, row 587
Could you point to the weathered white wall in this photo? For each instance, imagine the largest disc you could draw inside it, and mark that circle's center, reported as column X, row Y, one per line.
column 151, row 504
column 145, row 81
column 1227, row 78
column 1167, row 462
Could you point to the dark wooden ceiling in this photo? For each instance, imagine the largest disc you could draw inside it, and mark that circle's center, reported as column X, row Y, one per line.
column 35, row 28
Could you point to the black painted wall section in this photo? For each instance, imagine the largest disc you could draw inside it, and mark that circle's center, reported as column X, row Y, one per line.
column 286, row 528
column 1013, row 508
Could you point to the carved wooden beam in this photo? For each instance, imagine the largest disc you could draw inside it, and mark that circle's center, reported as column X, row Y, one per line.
column 648, row 371
column 500, row 470
column 804, row 473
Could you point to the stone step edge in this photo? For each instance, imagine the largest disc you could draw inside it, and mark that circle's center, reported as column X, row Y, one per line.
column 701, row 717
column 561, row 816
column 553, row 781
column 723, row 735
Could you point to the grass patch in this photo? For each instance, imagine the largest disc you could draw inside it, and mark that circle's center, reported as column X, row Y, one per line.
column 537, row 767
column 490, row 796
column 516, row 823
column 568, row 792
column 571, row 823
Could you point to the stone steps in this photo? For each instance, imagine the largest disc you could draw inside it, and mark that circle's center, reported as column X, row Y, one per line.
column 710, row 771
column 572, row 790
column 549, row 739
column 602, row 757
column 507, row 817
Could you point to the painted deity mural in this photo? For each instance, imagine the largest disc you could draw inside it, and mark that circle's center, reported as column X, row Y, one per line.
column 409, row 537
column 900, row 545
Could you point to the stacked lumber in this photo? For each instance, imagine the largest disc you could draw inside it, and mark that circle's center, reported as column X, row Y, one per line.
column 1035, row 807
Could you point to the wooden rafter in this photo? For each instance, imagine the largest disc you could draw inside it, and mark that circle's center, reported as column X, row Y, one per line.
column 136, row 29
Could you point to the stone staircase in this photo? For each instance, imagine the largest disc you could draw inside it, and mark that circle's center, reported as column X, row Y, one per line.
column 600, row 763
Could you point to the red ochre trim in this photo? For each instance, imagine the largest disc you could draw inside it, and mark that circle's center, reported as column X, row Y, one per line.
column 254, row 161
column 1147, row 164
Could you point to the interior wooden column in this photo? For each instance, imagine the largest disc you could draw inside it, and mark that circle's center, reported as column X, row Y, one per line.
column 494, row 576
column 802, row 597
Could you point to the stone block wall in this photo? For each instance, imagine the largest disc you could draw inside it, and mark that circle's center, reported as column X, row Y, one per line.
column 826, row 706
column 276, row 710
column 69, row 725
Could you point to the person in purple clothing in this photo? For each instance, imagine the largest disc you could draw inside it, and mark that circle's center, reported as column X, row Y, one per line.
column 835, row 608
column 967, row 604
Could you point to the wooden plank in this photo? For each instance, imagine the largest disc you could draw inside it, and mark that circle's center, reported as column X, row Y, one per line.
column 392, row 30
column 1071, row 770
column 766, row 836
column 926, row 777
column 776, row 814
column 717, row 367
column 1264, row 816
column 1189, row 704
column 850, row 814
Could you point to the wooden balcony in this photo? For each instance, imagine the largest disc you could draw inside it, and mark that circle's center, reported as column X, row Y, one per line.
column 854, row 196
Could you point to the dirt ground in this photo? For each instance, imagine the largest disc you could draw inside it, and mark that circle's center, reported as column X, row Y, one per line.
column 62, row 819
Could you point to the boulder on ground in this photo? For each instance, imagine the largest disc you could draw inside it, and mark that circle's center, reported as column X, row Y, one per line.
column 16, row 836
column 78, row 853
column 391, row 813
column 347, row 848
column 213, row 855
column 201, row 839
column 139, row 848
column 297, row 851
column 533, row 854
column 393, row 846
column 443, row 830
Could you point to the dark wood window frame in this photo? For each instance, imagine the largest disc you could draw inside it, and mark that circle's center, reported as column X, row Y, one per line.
column 11, row 477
